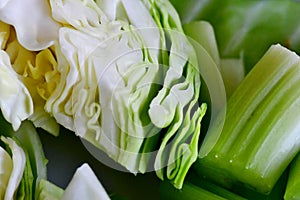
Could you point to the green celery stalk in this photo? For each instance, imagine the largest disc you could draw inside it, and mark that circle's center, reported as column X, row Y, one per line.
column 260, row 135
column 293, row 186
column 212, row 187
column 188, row 192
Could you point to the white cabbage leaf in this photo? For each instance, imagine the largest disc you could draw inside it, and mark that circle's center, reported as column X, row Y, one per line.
column 36, row 30
column 38, row 72
column 18, row 166
column 6, row 166
column 15, row 100
column 84, row 185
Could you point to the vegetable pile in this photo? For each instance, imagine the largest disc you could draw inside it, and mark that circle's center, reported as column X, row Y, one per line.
column 140, row 80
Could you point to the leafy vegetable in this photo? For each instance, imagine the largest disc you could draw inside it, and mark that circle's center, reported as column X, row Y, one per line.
column 84, row 185
column 124, row 76
column 15, row 101
column 5, row 171
column 31, row 151
column 114, row 93
column 247, row 27
column 47, row 190
column 38, row 72
column 18, row 166
column 189, row 192
column 36, row 31
column 260, row 134
column 292, row 189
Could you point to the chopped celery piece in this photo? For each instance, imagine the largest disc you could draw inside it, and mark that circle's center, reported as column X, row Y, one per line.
column 212, row 187
column 293, row 186
column 260, row 135
column 188, row 192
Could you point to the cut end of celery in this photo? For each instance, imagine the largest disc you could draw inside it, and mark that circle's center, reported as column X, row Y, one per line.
column 260, row 134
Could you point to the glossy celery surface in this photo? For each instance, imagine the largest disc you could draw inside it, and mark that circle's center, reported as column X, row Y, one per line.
column 293, row 186
column 260, row 135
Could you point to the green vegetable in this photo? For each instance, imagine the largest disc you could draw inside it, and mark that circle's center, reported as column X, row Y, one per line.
column 246, row 27
column 83, row 185
column 26, row 187
column 114, row 92
column 36, row 77
column 43, row 29
column 47, row 190
column 202, row 35
column 18, row 166
column 188, row 192
column 6, row 166
column 204, row 184
column 15, row 100
column 32, row 159
column 260, row 133
column 292, row 189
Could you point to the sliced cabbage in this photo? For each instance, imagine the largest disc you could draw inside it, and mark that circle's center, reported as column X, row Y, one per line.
column 122, row 76
column 15, row 100
column 36, row 161
column 27, row 140
column 18, row 166
column 84, row 185
column 123, row 86
column 6, row 165
column 106, row 85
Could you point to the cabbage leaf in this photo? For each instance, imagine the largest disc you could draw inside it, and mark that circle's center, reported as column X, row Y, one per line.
column 35, row 31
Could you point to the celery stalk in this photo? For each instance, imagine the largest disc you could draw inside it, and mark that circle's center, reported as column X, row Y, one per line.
column 293, row 186
column 188, row 192
column 260, row 135
column 212, row 187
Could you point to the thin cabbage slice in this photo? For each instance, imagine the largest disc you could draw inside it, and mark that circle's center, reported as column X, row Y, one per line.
column 19, row 161
column 15, row 101
column 35, row 31
column 6, row 166
column 84, row 185
column 176, row 108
